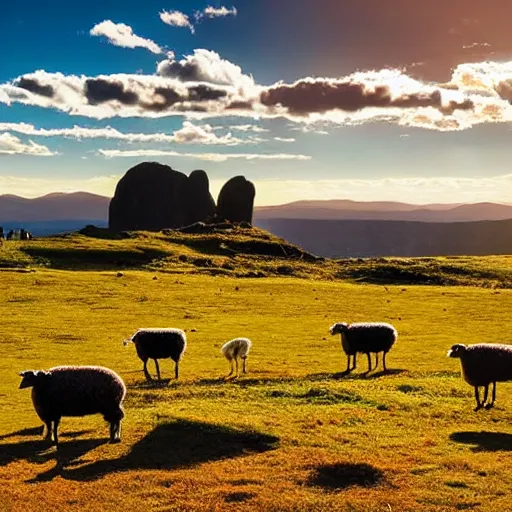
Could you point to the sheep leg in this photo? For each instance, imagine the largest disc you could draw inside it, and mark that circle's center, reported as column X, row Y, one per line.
column 486, row 394
column 55, row 432
column 115, row 432
column 236, row 364
column 477, row 398
column 493, row 399
column 244, row 365
column 48, row 436
column 376, row 359
column 384, row 361
column 146, row 373
column 354, row 356
column 157, row 369
column 348, row 364
column 232, row 368
column 176, row 369
column 369, row 362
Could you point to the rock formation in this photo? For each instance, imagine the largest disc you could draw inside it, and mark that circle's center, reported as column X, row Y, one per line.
column 152, row 196
column 236, row 200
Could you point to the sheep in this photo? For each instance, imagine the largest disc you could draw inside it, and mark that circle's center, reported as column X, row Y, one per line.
column 483, row 364
column 76, row 391
column 234, row 350
column 159, row 344
column 365, row 338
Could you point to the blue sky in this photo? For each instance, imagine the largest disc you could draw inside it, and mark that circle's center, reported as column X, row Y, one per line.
column 364, row 100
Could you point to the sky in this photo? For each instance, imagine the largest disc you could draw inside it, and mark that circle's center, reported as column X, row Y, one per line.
column 326, row 99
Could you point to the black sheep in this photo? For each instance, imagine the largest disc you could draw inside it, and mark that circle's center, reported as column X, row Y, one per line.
column 365, row 338
column 159, row 344
column 76, row 391
column 483, row 364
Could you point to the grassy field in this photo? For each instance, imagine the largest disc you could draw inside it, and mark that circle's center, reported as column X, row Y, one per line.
column 291, row 435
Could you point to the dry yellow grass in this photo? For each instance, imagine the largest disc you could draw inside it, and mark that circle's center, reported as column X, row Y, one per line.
column 291, row 435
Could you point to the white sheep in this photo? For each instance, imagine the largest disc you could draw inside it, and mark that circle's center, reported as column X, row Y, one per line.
column 234, row 350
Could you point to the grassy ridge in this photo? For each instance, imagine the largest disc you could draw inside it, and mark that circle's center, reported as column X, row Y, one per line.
column 243, row 252
column 291, row 435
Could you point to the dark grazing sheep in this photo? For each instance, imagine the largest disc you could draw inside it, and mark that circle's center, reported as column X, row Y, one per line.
column 365, row 338
column 76, row 391
column 234, row 350
column 483, row 364
column 159, row 344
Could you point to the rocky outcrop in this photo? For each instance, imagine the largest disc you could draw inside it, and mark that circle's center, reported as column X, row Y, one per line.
column 236, row 200
column 152, row 196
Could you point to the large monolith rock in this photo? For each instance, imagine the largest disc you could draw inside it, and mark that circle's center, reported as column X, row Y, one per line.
column 152, row 196
column 236, row 200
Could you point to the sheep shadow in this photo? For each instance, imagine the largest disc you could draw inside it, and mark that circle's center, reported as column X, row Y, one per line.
column 484, row 441
column 340, row 476
column 41, row 452
column 176, row 445
column 356, row 376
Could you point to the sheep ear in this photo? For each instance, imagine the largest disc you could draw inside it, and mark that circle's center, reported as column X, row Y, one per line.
column 26, row 372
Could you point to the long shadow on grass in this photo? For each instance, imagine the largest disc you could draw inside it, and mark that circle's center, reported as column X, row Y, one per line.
column 484, row 441
column 333, row 477
column 41, row 452
column 175, row 445
column 355, row 376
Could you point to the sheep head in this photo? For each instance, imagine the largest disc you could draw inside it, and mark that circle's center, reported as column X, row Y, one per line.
column 456, row 350
column 338, row 328
column 32, row 378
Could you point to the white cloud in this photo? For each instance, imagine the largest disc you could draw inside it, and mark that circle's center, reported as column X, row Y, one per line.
column 176, row 19
column 215, row 12
column 284, row 139
column 188, row 134
column 11, row 145
column 210, row 157
column 122, row 35
column 204, row 134
column 245, row 128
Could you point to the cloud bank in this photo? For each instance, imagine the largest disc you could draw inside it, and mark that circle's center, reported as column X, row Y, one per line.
column 188, row 134
column 209, row 157
column 203, row 85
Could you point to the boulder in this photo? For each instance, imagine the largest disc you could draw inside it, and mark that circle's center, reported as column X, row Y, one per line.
column 236, row 200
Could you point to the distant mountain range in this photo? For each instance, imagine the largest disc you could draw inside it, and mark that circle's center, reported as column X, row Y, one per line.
column 339, row 228
column 353, row 210
column 58, row 206
column 371, row 238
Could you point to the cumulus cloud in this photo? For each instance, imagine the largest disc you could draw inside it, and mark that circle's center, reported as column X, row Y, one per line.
column 188, row 134
column 284, row 139
column 12, row 145
column 177, row 19
column 215, row 12
column 122, row 35
column 210, row 157
column 205, row 66
column 204, row 85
